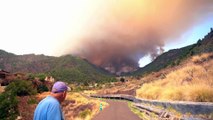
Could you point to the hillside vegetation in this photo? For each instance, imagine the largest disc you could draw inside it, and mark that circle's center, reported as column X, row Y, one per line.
column 191, row 82
column 66, row 68
column 9, row 98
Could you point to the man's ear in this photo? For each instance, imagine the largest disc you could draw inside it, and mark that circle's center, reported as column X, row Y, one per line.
column 64, row 93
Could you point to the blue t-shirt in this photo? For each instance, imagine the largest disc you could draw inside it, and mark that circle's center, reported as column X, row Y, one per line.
column 48, row 109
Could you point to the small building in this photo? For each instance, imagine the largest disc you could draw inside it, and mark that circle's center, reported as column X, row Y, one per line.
column 49, row 79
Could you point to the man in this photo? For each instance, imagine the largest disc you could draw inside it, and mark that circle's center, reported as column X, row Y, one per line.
column 49, row 108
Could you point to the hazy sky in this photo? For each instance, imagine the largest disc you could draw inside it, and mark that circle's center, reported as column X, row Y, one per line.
column 103, row 31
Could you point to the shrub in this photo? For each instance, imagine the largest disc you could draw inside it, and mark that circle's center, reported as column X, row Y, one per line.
column 41, row 77
column 31, row 76
column 21, row 88
column 85, row 113
column 32, row 101
column 8, row 106
column 42, row 88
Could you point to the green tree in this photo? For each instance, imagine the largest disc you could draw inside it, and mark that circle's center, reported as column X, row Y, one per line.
column 41, row 77
column 42, row 88
column 8, row 106
column 21, row 88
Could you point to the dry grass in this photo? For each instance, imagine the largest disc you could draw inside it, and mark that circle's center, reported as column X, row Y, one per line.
column 90, row 92
column 201, row 58
column 85, row 108
column 192, row 82
column 78, row 98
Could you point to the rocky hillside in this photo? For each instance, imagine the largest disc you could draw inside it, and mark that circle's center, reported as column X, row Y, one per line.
column 67, row 68
column 175, row 56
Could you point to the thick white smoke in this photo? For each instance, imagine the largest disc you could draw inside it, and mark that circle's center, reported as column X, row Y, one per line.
column 123, row 31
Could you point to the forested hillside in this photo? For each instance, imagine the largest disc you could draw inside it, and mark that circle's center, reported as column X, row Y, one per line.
column 67, row 68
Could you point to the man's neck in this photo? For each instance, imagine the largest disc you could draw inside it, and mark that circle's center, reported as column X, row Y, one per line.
column 56, row 96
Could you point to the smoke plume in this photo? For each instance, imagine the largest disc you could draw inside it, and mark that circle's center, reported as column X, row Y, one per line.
column 122, row 31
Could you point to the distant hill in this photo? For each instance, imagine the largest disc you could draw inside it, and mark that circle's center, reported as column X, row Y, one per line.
column 67, row 68
column 175, row 56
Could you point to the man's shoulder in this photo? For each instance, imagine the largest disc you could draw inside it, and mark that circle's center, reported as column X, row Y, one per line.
column 50, row 100
column 48, row 108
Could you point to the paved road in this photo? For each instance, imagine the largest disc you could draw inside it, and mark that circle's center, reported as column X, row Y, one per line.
column 117, row 110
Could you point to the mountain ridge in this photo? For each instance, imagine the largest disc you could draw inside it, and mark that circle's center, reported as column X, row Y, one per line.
column 67, row 68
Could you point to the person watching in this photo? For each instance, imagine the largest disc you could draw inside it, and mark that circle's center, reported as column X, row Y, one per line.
column 49, row 108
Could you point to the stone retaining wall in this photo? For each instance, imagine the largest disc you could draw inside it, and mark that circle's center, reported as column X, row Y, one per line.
column 180, row 106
